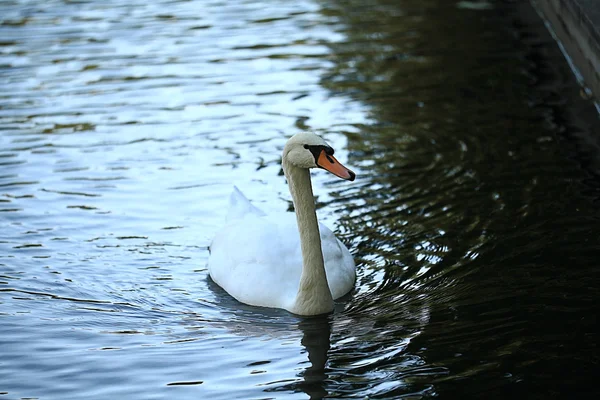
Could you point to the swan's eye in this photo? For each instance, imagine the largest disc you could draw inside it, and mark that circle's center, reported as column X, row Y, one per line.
column 306, row 146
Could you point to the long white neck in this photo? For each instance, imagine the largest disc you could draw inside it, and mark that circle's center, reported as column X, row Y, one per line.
column 314, row 296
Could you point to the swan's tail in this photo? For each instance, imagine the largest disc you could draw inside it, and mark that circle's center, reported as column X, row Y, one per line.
column 239, row 206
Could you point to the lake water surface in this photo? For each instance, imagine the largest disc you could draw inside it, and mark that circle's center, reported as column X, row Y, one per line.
column 474, row 219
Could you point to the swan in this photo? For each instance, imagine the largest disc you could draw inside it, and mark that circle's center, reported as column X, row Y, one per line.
column 278, row 260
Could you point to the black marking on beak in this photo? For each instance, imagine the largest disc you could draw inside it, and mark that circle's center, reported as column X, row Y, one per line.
column 317, row 149
column 352, row 176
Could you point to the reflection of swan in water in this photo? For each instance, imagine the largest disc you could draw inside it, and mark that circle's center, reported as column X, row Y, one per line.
column 316, row 341
column 280, row 261
column 364, row 347
column 305, row 341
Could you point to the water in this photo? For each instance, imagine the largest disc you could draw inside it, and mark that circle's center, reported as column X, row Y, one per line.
column 474, row 218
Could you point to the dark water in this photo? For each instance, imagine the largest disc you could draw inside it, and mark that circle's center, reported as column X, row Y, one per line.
column 474, row 219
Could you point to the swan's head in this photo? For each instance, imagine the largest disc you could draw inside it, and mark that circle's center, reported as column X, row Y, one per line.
column 307, row 150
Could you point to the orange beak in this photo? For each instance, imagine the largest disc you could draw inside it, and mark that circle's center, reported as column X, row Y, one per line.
column 332, row 165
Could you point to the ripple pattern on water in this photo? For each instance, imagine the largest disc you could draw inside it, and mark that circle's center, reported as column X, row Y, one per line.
column 124, row 126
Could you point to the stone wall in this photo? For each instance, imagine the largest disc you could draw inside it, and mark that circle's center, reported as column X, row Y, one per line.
column 576, row 25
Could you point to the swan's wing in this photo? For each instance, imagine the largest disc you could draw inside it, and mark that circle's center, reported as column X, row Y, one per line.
column 339, row 264
column 239, row 206
column 258, row 260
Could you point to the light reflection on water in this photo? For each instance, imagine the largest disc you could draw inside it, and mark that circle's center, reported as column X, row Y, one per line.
column 124, row 126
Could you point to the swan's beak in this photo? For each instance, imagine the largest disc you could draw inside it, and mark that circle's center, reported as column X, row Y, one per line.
column 332, row 165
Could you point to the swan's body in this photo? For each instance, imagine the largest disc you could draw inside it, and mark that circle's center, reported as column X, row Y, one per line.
column 281, row 260
column 257, row 258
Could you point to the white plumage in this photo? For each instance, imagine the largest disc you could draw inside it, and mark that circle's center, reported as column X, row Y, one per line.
column 260, row 259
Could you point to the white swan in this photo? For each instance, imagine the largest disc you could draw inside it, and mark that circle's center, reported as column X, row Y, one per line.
column 280, row 261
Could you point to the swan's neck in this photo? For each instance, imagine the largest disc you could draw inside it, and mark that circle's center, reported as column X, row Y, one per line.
column 314, row 296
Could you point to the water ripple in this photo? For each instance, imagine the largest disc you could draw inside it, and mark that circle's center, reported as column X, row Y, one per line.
column 124, row 125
